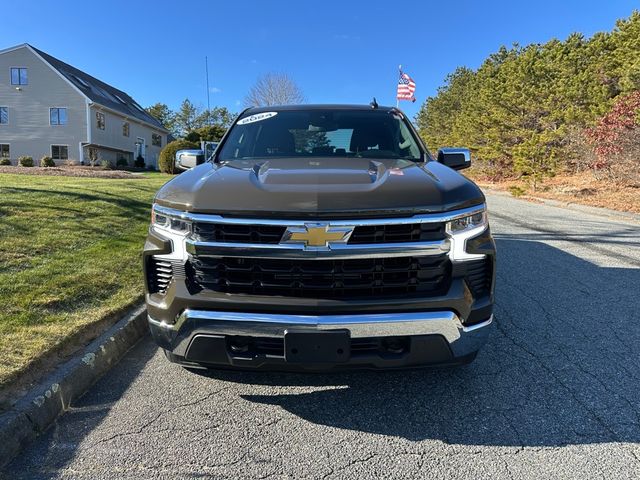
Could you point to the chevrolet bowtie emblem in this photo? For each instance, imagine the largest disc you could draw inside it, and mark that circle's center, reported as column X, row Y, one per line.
column 317, row 235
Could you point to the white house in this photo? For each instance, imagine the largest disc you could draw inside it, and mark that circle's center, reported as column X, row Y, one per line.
column 48, row 107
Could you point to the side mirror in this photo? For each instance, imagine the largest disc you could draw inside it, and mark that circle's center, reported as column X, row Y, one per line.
column 456, row 158
column 187, row 159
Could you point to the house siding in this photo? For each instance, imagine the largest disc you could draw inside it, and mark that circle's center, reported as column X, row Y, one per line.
column 113, row 138
column 28, row 131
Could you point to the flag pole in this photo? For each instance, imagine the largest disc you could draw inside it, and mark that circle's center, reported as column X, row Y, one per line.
column 398, row 101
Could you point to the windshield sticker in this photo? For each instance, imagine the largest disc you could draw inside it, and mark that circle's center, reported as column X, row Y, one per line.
column 256, row 118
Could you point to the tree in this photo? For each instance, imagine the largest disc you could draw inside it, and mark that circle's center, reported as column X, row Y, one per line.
column 165, row 115
column 615, row 140
column 274, row 89
column 186, row 118
column 209, row 133
column 218, row 116
column 520, row 110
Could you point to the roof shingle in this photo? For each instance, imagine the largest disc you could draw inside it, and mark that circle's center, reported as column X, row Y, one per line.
column 100, row 92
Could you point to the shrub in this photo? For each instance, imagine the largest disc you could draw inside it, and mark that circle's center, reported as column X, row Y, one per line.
column 516, row 191
column 105, row 164
column 139, row 163
column 167, row 159
column 5, row 161
column 25, row 161
column 47, row 162
column 122, row 162
column 151, row 168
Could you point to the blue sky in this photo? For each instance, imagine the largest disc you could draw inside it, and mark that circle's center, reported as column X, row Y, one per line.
column 337, row 51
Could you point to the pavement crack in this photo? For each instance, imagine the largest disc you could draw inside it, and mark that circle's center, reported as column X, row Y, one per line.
column 553, row 375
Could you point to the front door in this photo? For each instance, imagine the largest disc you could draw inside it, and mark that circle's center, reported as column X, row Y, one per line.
column 140, row 148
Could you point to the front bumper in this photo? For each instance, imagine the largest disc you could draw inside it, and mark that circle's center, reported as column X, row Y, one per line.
column 206, row 338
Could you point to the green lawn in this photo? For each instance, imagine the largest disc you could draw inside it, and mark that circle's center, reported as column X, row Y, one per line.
column 70, row 251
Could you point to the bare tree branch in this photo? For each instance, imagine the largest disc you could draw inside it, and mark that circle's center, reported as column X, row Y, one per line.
column 274, row 89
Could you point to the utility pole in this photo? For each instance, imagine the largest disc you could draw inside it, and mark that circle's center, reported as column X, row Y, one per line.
column 206, row 67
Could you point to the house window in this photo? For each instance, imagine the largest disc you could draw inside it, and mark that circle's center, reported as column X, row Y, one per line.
column 59, row 152
column 100, row 120
column 156, row 140
column 4, row 115
column 19, row 76
column 4, row 150
column 125, row 129
column 58, row 116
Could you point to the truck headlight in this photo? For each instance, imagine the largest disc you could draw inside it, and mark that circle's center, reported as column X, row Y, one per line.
column 470, row 222
column 172, row 223
column 462, row 229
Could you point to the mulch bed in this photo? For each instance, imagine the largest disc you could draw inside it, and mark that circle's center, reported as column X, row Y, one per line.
column 69, row 172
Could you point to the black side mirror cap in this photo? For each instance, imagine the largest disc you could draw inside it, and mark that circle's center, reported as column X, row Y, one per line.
column 456, row 158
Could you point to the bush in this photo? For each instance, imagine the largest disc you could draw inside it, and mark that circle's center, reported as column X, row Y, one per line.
column 516, row 191
column 139, row 163
column 25, row 161
column 167, row 159
column 122, row 162
column 47, row 162
column 5, row 161
column 105, row 164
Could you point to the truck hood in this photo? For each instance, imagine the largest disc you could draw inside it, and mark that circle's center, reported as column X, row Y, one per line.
column 317, row 187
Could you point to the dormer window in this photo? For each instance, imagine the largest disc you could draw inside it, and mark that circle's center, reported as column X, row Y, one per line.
column 18, row 76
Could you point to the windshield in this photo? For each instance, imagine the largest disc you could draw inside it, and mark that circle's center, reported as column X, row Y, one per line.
column 321, row 133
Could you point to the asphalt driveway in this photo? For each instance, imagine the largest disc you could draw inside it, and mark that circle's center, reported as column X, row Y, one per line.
column 555, row 393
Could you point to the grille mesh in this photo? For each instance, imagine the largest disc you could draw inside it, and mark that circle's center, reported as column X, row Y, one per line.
column 428, row 275
column 272, row 234
column 411, row 232
column 220, row 232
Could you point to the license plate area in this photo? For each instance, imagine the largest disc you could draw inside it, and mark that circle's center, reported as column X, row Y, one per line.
column 330, row 346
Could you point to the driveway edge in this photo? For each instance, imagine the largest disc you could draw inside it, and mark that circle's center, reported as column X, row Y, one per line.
column 592, row 210
column 41, row 405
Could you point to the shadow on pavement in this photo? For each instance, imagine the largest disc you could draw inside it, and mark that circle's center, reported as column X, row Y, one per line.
column 560, row 368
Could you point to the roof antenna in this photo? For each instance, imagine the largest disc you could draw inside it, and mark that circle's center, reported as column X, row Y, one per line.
column 374, row 104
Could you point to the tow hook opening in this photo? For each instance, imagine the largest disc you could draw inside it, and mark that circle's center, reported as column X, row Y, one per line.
column 238, row 345
column 395, row 345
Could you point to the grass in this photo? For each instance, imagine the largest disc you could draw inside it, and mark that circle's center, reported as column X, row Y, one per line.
column 70, row 255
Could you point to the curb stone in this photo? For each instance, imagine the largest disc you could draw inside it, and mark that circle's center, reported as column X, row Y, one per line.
column 41, row 406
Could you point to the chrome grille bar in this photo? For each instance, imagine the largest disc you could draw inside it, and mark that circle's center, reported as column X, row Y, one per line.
column 333, row 251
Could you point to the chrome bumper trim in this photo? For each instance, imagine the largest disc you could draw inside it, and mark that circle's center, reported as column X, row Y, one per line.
column 333, row 251
column 462, row 340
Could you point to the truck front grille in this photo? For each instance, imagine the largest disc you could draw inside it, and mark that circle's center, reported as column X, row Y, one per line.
column 410, row 232
column 272, row 234
column 351, row 278
column 238, row 233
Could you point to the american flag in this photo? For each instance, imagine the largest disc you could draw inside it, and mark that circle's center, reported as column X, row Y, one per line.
column 406, row 87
